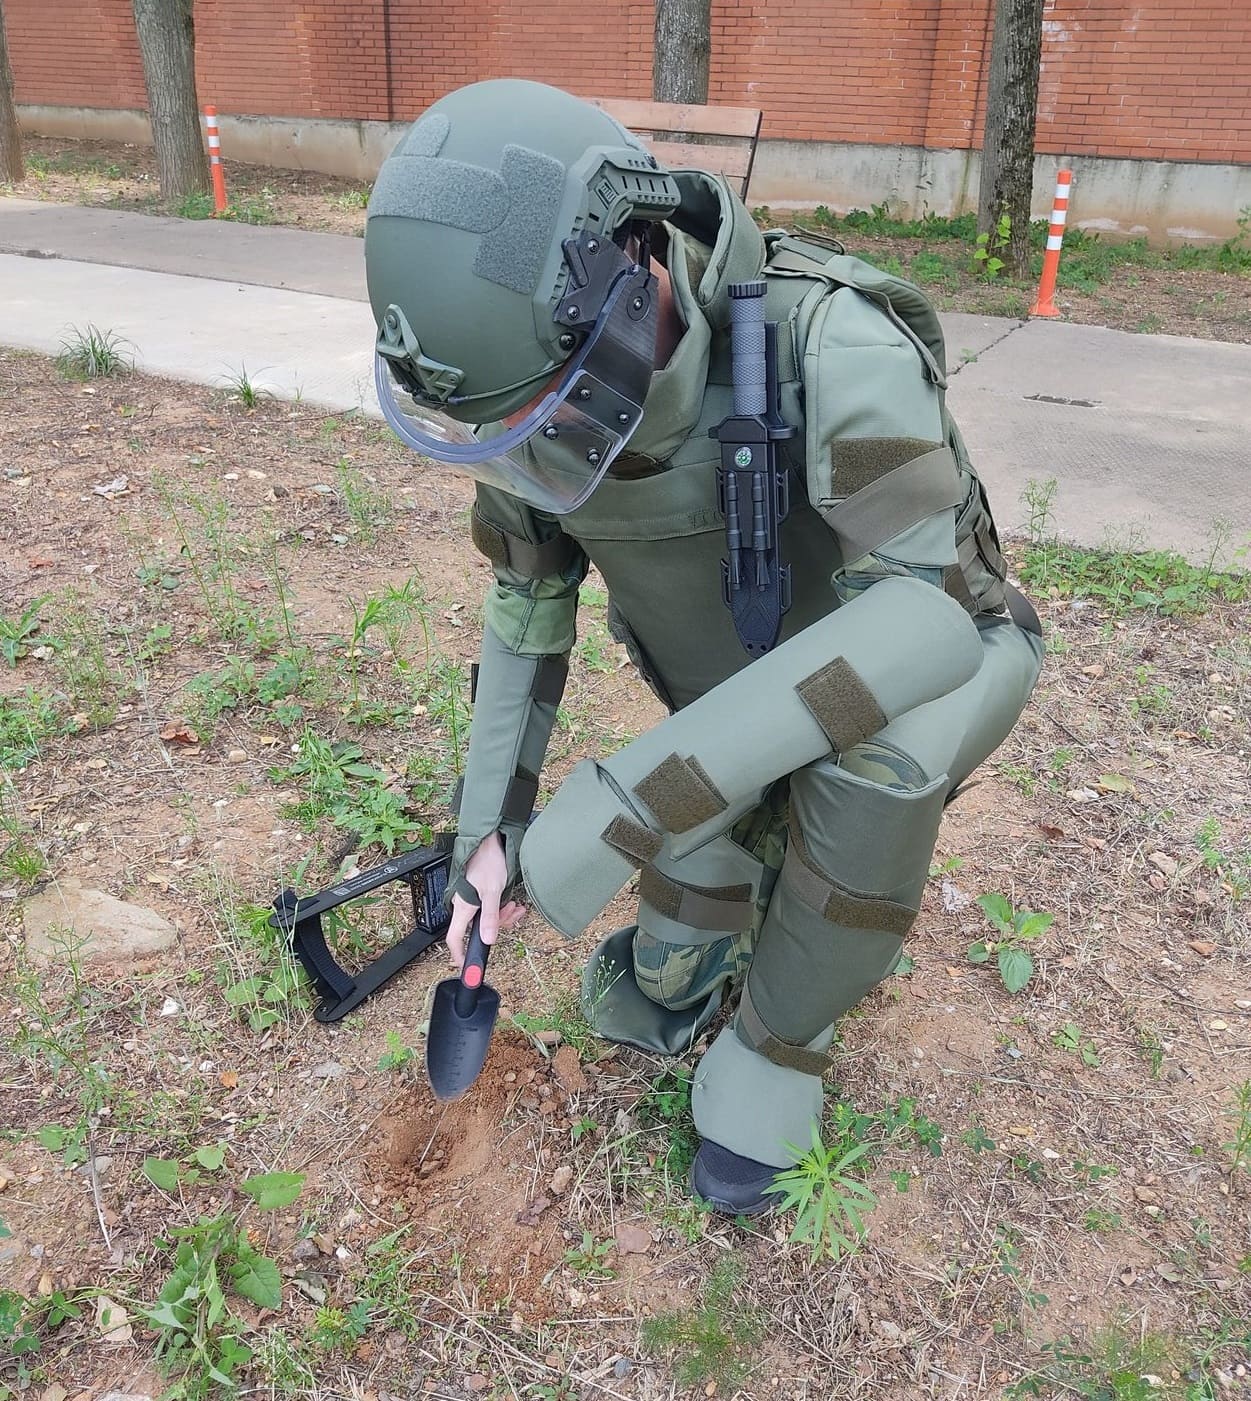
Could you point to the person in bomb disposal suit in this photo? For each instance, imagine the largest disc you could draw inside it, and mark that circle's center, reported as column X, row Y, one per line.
column 747, row 435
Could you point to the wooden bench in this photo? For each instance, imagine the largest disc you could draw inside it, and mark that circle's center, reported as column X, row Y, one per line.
column 666, row 125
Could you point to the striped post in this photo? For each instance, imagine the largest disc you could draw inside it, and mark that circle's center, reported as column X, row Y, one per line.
column 1045, row 305
column 215, row 159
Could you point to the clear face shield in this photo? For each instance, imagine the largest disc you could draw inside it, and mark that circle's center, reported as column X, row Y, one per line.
column 556, row 454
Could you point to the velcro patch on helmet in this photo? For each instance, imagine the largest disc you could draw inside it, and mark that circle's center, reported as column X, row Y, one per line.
column 514, row 208
column 514, row 256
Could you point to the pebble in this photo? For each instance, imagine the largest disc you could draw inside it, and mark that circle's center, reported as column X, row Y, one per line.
column 327, row 1070
column 237, row 756
column 622, row 1367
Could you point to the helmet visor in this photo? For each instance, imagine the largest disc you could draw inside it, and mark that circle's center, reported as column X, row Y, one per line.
column 555, row 456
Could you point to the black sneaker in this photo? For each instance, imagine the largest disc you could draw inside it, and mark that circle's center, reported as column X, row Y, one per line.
column 736, row 1186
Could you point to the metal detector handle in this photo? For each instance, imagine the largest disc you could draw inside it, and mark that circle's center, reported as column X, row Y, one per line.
column 750, row 366
column 474, row 970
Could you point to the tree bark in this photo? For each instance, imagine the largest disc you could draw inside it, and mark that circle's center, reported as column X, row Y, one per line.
column 1007, row 172
column 167, row 43
column 682, row 51
column 11, row 164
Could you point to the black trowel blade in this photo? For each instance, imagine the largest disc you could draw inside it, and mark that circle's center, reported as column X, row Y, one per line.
column 456, row 1046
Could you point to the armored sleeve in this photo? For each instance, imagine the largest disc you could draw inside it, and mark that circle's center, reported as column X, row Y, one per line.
column 528, row 631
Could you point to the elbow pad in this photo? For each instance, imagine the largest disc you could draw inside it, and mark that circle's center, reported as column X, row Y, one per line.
column 827, row 689
column 514, row 710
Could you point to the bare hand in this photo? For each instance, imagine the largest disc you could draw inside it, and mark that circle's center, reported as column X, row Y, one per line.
column 487, row 871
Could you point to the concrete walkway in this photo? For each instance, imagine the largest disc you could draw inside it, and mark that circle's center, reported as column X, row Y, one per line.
column 1147, row 436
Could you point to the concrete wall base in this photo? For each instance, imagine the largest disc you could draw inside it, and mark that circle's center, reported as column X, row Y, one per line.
column 1165, row 201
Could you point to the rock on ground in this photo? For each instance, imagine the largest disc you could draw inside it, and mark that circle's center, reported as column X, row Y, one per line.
column 67, row 919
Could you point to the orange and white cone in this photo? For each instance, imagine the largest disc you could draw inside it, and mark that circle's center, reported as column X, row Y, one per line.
column 1045, row 304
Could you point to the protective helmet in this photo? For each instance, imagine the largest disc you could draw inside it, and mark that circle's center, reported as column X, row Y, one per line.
column 503, row 278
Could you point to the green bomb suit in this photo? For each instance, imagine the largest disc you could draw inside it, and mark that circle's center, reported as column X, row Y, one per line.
column 806, row 879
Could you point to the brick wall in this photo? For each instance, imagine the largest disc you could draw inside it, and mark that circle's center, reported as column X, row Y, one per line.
column 1159, row 79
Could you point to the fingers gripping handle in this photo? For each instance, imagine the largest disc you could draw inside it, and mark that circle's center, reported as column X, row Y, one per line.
column 473, row 972
column 747, row 348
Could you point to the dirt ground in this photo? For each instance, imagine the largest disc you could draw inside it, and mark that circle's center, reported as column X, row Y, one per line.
column 1060, row 1212
column 1172, row 300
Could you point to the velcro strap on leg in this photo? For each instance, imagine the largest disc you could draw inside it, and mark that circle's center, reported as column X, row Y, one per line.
column 509, row 551
column 837, row 903
column 841, row 704
column 681, row 794
column 550, row 676
column 635, row 842
column 519, row 798
column 727, row 909
column 752, row 1030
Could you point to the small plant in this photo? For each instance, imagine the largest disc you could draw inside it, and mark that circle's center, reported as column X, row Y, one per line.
column 351, row 199
column 829, row 1198
column 1239, row 1147
column 15, row 635
column 1070, row 1038
column 276, row 989
column 25, row 722
column 1119, row 1364
column 1099, row 1221
column 589, row 1259
column 712, row 1341
column 1013, row 928
column 1151, row 1049
column 90, row 353
column 243, row 389
column 196, row 204
column 371, row 510
column 397, row 1055
column 197, row 1333
column 988, row 245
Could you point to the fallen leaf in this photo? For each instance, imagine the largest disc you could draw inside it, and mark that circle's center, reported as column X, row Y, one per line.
column 1163, row 862
column 547, row 1037
column 475, row 1381
column 1096, row 670
column 1167, row 1270
column 1205, row 948
column 1095, row 843
column 45, row 1286
column 1128, row 1275
column 113, row 1321
column 561, row 1179
column 1021, row 1130
column 228, row 1079
column 1157, row 882
column 1052, row 833
column 1114, row 783
column 1218, row 1024
column 1145, row 1194
column 179, row 732
column 38, row 562
column 529, row 1216
column 633, row 1240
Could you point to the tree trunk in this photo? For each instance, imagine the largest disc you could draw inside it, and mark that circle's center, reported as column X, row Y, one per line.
column 11, row 166
column 682, row 51
column 167, row 43
column 1007, row 173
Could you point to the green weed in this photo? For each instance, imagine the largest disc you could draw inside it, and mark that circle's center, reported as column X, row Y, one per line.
column 1239, row 1147
column 83, row 662
column 370, row 510
column 260, row 976
column 351, row 199
column 90, row 353
column 567, row 1018
column 243, row 389
column 196, row 204
column 20, row 857
column 1233, row 870
column 1070, row 1038
column 1118, row 1365
column 397, row 1055
column 712, row 1341
column 830, row 1199
column 987, row 247
column 199, row 1337
column 590, row 1258
column 26, row 722
column 16, row 634
column 1013, row 929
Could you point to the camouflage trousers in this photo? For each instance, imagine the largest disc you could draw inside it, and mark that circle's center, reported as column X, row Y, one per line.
column 679, row 976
